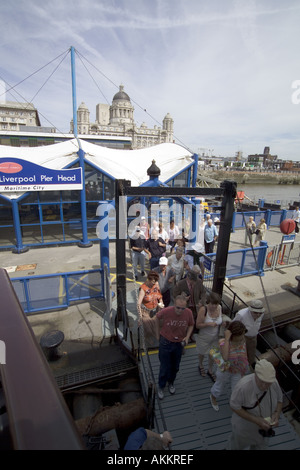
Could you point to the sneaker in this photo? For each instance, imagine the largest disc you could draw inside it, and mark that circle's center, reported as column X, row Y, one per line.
column 214, row 405
column 136, row 278
column 160, row 393
column 172, row 389
column 143, row 273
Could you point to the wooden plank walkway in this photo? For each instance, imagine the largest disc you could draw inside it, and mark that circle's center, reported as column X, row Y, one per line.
column 191, row 420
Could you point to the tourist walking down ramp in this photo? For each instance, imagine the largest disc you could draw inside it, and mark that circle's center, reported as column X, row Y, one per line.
column 137, row 245
column 209, row 319
column 175, row 331
column 232, row 361
column 149, row 301
column 251, row 317
column 192, row 287
column 166, row 279
column 256, row 402
column 155, row 247
column 176, row 262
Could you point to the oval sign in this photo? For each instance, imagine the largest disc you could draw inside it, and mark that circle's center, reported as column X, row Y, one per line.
column 10, row 167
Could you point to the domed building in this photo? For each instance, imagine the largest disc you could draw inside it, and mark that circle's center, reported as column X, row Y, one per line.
column 117, row 119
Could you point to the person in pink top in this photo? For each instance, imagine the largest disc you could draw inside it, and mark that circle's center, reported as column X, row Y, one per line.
column 176, row 329
column 234, row 353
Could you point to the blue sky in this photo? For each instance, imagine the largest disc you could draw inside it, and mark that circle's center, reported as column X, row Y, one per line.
column 223, row 69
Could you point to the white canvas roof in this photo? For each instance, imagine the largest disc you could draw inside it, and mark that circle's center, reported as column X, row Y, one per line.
column 133, row 164
column 119, row 164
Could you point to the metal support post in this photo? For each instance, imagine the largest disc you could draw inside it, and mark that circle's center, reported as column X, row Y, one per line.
column 121, row 224
column 195, row 170
column 85, row 242
column 20, row 248
column 104, row 245
column 227, row 211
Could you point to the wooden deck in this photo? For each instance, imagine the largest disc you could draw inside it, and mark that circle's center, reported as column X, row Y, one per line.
column 191, row 420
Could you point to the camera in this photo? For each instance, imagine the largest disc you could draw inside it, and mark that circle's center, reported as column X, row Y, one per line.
column 269, row 433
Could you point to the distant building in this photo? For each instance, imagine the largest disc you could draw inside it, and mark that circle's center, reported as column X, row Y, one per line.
column 20, row 127
column 263, row 159
column 18, row 116
column 117, row 119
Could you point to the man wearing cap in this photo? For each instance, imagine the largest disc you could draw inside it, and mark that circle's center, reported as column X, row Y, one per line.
column 166, row 279
column 256, row 402
column 251, row 317
column 137, row 245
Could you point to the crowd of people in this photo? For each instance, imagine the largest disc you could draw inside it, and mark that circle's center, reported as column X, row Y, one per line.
column 175, row 309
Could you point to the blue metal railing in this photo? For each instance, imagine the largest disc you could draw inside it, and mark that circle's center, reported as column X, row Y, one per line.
column 243, row 262
column 70, row 231
column 272, row 218
column 55, row 291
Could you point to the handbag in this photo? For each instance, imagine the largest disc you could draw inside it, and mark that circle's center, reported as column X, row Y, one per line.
column 216, row 355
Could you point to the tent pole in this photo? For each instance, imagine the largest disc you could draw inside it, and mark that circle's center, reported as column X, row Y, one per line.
column 85, row 243
column 74, row 91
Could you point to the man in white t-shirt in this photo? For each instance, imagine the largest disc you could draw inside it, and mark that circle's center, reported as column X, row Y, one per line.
column 256, row 402
column 251, row 317
column 176, row 262
column 296, row 218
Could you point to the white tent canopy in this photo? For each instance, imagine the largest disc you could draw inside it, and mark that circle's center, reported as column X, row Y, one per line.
column 119, row 164
column 133, row 164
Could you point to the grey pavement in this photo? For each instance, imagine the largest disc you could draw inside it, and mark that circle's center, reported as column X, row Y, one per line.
column 93, row 321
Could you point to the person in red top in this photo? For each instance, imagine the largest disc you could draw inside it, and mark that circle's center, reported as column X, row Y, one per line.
column 149, row 301
column 177, row 326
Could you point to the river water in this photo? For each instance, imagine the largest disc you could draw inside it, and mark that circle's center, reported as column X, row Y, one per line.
column 272, row 193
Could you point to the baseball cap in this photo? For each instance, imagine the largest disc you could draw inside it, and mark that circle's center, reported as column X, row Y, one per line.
column 265, row 371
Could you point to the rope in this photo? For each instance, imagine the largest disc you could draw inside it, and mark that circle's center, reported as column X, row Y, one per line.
column 31, row 75
column 23, row 98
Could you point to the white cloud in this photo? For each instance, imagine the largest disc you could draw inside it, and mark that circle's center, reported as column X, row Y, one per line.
column 224, row 70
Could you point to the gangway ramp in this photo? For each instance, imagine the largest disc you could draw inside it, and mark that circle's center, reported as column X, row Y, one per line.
column 191, row 420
